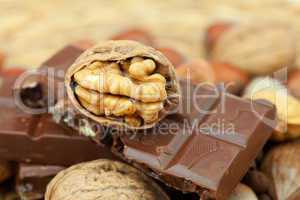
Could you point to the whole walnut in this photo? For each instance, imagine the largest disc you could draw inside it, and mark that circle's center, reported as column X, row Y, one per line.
column 257, row 48
column 103, row 180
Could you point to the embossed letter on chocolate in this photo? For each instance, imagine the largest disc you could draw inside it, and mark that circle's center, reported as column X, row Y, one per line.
column 204, row 153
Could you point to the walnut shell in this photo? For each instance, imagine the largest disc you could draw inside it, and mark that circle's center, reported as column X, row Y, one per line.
column 282, row 165
column 103, row 179
column 120, row 52
column 257, row 48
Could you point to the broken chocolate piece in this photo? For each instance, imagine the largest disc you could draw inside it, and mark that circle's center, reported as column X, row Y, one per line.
column 43, row 87
column 38, row 139
column 207, row 150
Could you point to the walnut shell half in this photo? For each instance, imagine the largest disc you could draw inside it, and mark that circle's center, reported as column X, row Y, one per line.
column 123, row 84
column 103, row 179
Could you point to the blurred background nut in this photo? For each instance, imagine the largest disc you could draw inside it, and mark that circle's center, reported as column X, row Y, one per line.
column 257, row 48
column 5, row 170
column 288, row 107
column 135, row 34
column 242, row 192
column 282, row 165
column 294, row 83
column 2, row 60
column 102, row 180
column 83, row 44
column 213, row 33
column 174, row 56
column 234, row 79
column 200, row 71
column 11, row 71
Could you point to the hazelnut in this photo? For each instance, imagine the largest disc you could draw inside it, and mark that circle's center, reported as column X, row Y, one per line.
column 257, row 48
column 103, row 179
column 173, row 55
column 12, row 72
column 83, row 44
column 233, row 78
column 288, row 107
column 214, row 32
column 294, row 83
column 135, row 34
column 282, row 165
column 198, row 71
column 2, row 60
column 242, row 192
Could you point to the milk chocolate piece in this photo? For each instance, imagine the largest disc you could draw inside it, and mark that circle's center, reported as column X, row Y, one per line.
column 32, row 180
column 43, row 88
column 207, row 153
column 38, row 139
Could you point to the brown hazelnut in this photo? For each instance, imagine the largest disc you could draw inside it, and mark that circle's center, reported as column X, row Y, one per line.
column 135, row 34
column 294, row 83
column 198, row 71
column 2, row 60
column 233, row 78
column 282, row 165
column 257, row 48
column 242, row 192
column 173, row 55
column 12, row 72
column 214, row 32
column 83, row 44
column 103, row 179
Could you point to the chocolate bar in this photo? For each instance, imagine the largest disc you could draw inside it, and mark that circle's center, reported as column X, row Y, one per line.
column 207, row 147
column 32, row 180
column 42, row 88
column 38, row 139
column 206, row 152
